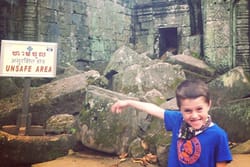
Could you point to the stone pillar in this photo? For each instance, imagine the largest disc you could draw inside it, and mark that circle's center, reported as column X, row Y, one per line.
column 217, row 39
column 30, row 20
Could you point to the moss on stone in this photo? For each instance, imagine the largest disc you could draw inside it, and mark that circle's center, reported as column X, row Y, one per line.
column 157, row 134
column 234, row 118
column 175, row 83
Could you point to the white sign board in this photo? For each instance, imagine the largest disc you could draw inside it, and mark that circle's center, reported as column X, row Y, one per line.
column 28, row 59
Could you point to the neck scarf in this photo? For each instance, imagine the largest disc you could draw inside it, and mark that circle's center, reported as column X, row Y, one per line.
column 187, row 132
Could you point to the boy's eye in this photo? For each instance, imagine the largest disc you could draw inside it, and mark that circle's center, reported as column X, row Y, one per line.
column 187, row 110
column 199, row 109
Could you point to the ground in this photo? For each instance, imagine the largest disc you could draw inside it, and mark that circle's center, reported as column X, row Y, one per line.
column 80, row 159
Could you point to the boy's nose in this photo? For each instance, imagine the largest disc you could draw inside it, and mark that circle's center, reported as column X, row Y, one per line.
column 194, row 115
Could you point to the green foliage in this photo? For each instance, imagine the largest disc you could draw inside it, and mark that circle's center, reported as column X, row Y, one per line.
column 195, row 54
column 73, row 130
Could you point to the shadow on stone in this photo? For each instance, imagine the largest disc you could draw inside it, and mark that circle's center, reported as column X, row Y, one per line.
column 19, row 150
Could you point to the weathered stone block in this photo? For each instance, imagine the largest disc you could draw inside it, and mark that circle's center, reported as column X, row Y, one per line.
column 102, row 130
column 61, row 96
column 232, row 85
column 234, row 117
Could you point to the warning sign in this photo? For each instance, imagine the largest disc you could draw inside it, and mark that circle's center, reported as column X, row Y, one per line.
column 28, row 59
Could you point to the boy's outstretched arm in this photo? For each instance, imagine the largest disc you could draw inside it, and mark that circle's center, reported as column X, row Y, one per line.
column 149, row 108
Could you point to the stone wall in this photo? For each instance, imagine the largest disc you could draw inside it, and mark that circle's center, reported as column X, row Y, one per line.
column 63, row 22
column 241, row 35
column 109, row 24
column 152, row 16
column 85, row 29
column 11, row 19
column 226, row 33
column 91, row 30
column 217, row 34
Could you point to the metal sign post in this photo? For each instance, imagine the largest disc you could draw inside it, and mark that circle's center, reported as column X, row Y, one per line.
column 24, row 118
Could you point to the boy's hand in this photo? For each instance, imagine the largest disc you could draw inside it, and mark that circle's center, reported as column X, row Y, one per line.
column 149, row 108
column 118, row 106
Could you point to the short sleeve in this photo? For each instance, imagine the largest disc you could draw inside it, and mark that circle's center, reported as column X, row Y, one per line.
column 223, row 150
column 172, row 119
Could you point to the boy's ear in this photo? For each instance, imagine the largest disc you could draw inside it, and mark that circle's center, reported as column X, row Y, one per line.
column 210, row 103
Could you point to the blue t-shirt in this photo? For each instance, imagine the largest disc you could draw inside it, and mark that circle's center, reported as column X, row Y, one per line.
column 203, row 150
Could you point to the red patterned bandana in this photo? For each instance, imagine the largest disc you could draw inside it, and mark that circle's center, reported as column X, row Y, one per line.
column 187, row 132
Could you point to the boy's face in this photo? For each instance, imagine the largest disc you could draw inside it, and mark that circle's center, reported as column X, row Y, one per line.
column 195, row 111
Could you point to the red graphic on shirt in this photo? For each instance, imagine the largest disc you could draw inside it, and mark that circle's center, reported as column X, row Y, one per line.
column 189, row 150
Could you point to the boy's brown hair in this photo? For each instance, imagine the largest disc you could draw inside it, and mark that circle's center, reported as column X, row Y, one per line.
column 191, row 89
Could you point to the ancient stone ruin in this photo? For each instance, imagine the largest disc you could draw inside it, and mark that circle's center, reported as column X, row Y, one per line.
column 90, row 31
column 110, row 50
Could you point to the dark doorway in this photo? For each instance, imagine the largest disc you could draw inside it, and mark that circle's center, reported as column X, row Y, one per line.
column 168, row 40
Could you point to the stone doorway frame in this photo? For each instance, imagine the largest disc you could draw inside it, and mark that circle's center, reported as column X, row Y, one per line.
column 237, row 44
column 167, row 40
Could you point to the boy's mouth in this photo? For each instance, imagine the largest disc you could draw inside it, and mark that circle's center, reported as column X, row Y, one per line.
column 195, row 120
column 196, row 123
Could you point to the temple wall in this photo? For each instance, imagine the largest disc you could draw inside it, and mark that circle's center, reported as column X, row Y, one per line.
column 91, row 30
column 84, row 29
column 151, row 17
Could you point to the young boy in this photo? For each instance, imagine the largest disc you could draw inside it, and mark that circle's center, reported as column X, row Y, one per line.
column 196, row 140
